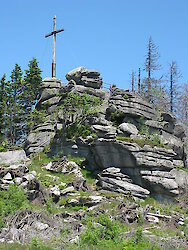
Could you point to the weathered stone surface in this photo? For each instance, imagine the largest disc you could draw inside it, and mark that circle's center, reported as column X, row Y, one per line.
column 44, row 127
column 87, row 78
column 123, row 187
column 13, row 157
column 169, row 127
column 179, row 131
column 7, row 177
column 91, row 200
column 47, row 94
column 133, row 106
column 128, row 128
column 115, row 173
column 160, row 181
column 67, row 190
column 51, row 101
column 173, row 142
column 168, row 117
column 104, row 131
column 54, row 191
column 75, row 74
column 37, row 141
column 122, row 154
column 50, row 82
column 181, row 177
column 40, row 226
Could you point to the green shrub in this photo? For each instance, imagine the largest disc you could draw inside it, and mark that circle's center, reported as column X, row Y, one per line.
column 77, row 130
column 37, row 244
column 117, row 117
column 12, row 200
column 5, row 146
column 106, row 234
column 125, row 96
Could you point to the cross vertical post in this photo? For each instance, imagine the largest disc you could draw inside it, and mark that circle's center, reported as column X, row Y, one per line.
column 53, row 58
column 53, row 33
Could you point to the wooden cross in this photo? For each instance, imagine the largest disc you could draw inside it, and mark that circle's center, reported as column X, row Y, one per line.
column 53, row 33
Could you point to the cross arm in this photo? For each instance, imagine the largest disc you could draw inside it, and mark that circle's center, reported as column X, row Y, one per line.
column 54, row 32
column 57, row 31
column 50, row 34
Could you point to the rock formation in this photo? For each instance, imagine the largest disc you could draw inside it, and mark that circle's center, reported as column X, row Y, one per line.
column 134, row 149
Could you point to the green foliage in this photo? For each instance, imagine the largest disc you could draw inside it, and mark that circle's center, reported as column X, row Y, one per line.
column 31, row 82
column 5, row 146
column 141, row 142
column 125, row 96
column 78, row 129
column 78, row 160
column 38, row 117
column 2, row 106
column 106, row 234
column 45, row 178
column 17, row 100
column 11, row 200
column 117, row 117
column 78, row 108
column 13, row 246
column 89, row 176
column 182, row 168
column 37, row 244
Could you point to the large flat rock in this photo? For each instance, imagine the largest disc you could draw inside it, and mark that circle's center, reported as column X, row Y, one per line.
column 13, row 157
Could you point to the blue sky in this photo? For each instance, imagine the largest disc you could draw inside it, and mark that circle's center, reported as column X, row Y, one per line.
column 107, row 35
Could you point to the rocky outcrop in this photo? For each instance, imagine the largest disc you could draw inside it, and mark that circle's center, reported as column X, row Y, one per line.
column 13, row 157
column 130, row 105
column 147, row 167
column 85, row 77
column 37, row 141
column 114, row 180
column 126, row 133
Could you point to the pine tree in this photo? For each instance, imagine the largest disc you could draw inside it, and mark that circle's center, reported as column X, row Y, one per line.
column 31, row 82
column 151, row 64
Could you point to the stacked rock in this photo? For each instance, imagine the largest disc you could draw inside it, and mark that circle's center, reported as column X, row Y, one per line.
column 85, row 77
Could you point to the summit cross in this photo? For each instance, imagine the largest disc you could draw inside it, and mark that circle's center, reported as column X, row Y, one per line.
column 53, row 33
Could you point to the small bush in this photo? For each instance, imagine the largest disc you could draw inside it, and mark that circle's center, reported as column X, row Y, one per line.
column 77, row 130
column 37, row 244
column 12, row 200
column 106, row 233
column 125, row 96
column 117, row 117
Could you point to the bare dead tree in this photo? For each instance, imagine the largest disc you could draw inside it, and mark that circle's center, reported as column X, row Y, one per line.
column 174, row 75
column 151, row 63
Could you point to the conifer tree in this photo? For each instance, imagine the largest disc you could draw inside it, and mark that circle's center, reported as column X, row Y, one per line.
column 14, row 105
column 31, row 83
column 2, row 106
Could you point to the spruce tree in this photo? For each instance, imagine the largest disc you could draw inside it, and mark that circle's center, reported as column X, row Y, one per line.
column 14, row 91
column 31, row 84
column 2, row 106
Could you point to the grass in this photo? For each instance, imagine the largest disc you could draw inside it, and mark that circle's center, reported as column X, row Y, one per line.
column 108, row 234
column 11, row 200
column 142, row 142
column 46, row 177
column 89, row 176
column 78, row 160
